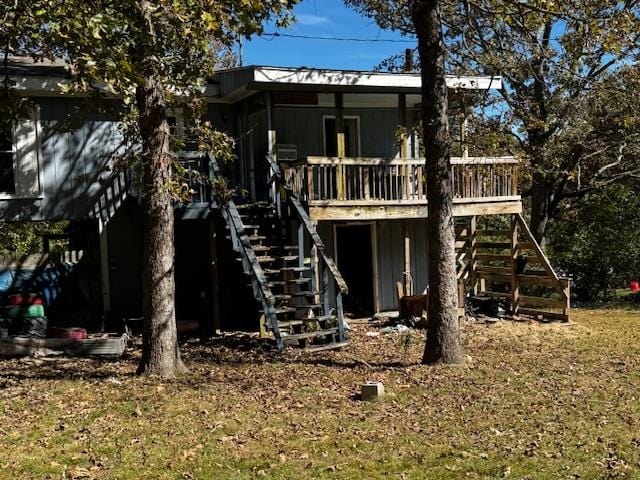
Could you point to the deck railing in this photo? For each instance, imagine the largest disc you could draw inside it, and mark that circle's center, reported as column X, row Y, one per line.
column 379, row 180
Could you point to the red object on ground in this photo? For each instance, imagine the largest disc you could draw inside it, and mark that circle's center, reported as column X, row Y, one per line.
column 634, row 286
column 25, row 299
column 72, row 333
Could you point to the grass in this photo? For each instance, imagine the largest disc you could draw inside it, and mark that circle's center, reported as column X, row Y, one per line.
column 536, row 401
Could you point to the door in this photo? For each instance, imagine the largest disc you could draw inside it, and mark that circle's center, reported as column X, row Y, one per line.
column 351, row 136
column 354, row 253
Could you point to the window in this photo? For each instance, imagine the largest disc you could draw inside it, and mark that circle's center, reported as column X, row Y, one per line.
column 175, row 119
column 20, row 157
column 7, row 180
column 351, row 136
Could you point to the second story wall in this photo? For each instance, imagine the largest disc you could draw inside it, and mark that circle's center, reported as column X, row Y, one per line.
column 72, row 151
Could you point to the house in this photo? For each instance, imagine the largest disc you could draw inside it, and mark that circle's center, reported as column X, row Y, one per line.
column 333, row 214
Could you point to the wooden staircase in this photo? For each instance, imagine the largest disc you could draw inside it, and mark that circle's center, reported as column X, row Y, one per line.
column 284, row 272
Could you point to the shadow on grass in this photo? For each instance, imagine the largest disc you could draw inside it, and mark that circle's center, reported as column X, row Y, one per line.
column 65, row 368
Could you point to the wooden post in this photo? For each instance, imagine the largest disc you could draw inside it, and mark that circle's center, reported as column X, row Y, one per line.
column 104, row 266
column 271, row 149
column 310, row 189
column 515, row 289
column 301, row 245
column 251, row 153
column 340, row 315
column 473, row 257
column 315, row 274
column 402, row 107
column 215, row 294
column 326, row 306
column 407, row 261
column 464, row 127
column 566, row 289
column 341, row 145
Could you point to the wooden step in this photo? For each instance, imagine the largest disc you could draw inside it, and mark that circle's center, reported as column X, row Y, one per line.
column 282, row 283
column 289, row 323
column 265, row 259
column 274, row 271
column 329, row 346
column 289, row 258
column 281, row 310
column 257, row 238
column 307, row 335
column 305, row 293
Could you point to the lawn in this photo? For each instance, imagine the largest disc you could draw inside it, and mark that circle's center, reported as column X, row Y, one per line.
column 533, row 401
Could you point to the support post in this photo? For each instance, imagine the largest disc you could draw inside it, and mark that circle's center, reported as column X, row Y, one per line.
column 104, row 266
column 271, row 150
column 251, row 153
column 464, row 127
column 566, row 289
column 515, row 288
column 215, row 294
column 402, row 107
column 340, row 315
column 340, row 138
column 301, row 245
column 408, row 287
column 326, row 306
column 473, row 258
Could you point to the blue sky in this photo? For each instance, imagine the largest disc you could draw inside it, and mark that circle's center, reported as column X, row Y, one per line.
column 324, row 18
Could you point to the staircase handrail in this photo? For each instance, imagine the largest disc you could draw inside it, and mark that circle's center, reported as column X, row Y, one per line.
column 241, row 240
column 277, row 177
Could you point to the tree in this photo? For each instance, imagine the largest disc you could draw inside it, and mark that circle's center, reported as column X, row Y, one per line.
column 550, row 55
column 598, row 243
column 153, row 55
column 443, row 338
column 424, row 18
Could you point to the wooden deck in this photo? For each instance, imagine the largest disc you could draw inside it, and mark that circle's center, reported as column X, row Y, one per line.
column 383, row 188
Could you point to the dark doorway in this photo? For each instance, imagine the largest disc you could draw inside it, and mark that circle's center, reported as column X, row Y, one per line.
column 355, row 262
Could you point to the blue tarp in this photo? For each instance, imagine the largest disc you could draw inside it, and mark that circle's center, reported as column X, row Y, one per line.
column 47, row 281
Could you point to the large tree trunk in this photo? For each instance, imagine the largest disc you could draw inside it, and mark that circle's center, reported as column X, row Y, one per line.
column 160, row 355
column 443, row 335
column 540, row 207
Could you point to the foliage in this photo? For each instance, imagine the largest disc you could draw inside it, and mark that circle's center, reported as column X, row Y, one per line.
column 24, row 238
column 598, row 243
column 543, row 401
column 551, row 56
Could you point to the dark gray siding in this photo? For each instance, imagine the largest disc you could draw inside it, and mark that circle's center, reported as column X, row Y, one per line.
column 73, row 162
column 390, row 256
column 303, row 127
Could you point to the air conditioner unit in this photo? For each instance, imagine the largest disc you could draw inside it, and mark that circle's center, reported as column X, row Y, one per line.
column 286, row 153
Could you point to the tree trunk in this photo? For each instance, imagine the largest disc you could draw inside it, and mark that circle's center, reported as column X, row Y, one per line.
column 540, row 210
column 160, row 354
column 443, row 335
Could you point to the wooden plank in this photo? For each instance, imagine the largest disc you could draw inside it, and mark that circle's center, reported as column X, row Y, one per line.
column 506, row 277
column 528, row 301
column 500, row 245
column 328, row 210
column 544, row 314
column 317, row 160
column 545, row 261
column 515, row 288
column 473, row 261
column 493, row 258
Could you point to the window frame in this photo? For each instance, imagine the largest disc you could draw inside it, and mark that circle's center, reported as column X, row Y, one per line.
column 26, row 131
column 357, row 135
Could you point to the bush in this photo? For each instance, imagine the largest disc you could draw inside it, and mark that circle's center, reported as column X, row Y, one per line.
column 598, row 243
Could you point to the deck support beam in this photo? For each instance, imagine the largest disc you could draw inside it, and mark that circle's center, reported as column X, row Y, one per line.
column 104, row 266
column 515, row 287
